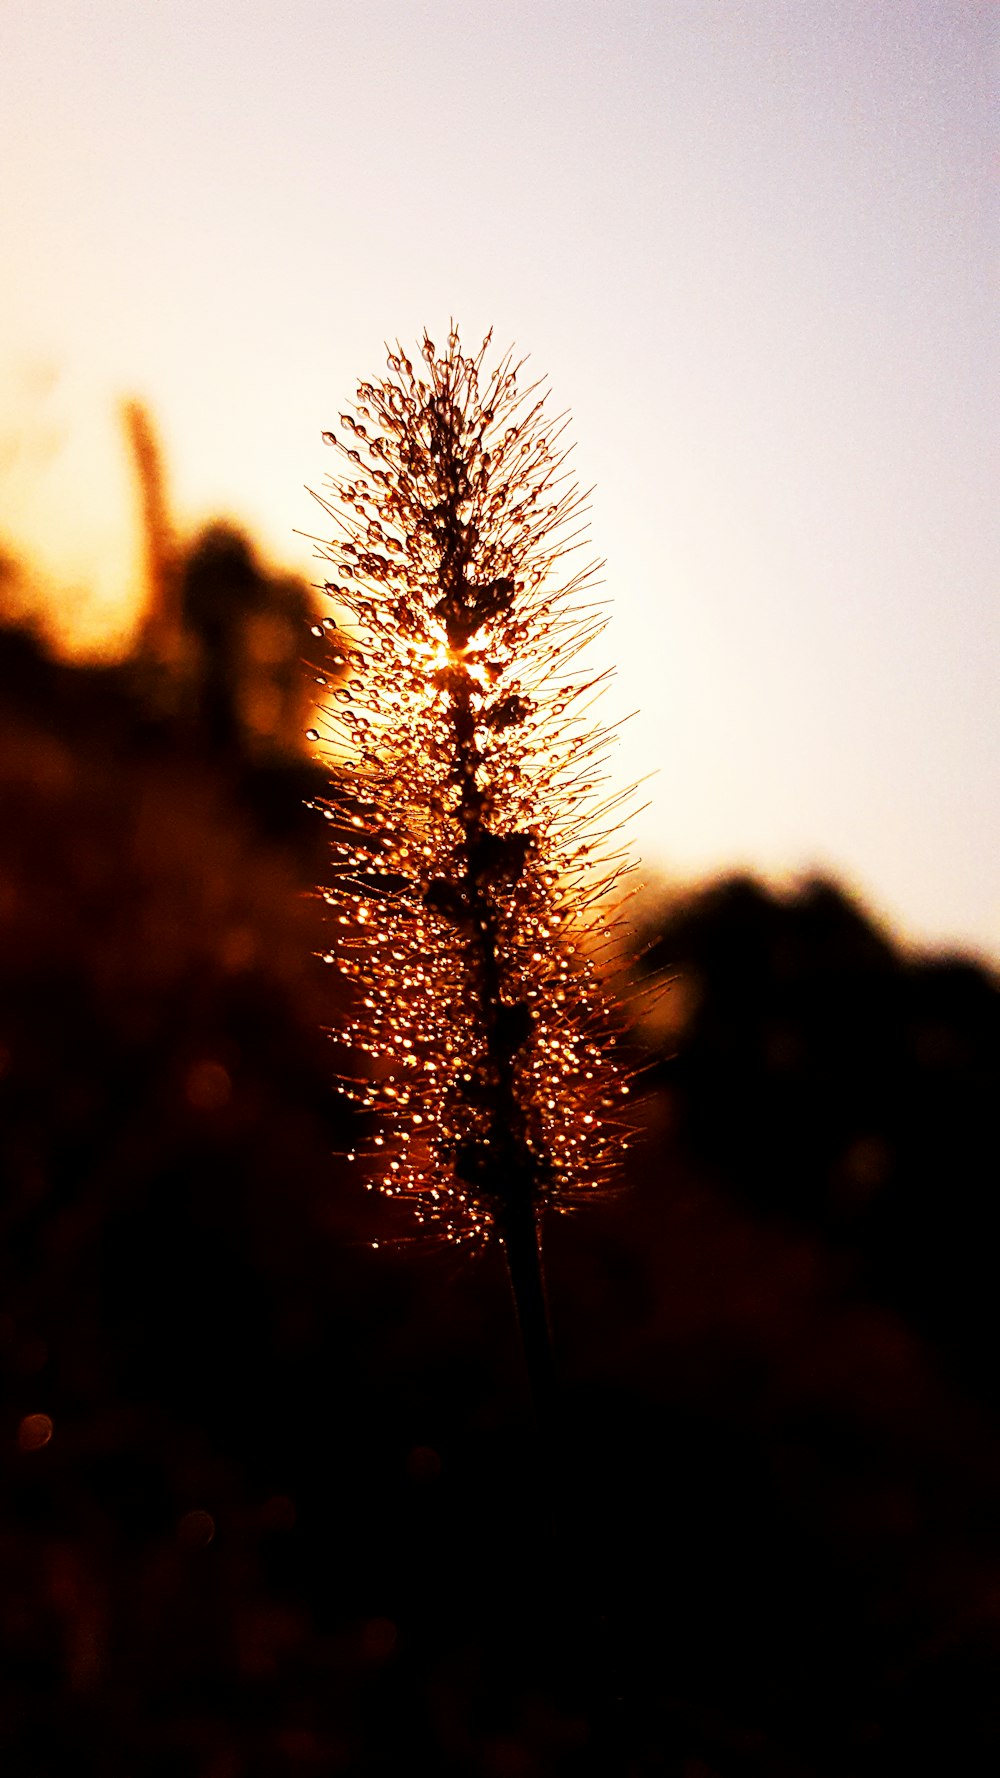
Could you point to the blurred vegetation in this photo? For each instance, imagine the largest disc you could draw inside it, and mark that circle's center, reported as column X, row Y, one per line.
column 270, row 1502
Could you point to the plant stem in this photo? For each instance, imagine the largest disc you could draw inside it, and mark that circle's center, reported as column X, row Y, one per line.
column 522, row 1249
column 508, row 1168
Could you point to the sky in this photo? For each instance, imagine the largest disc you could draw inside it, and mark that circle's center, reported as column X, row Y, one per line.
column 753, row 245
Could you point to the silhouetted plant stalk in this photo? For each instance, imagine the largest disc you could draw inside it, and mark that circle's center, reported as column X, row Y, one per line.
column 474, row 847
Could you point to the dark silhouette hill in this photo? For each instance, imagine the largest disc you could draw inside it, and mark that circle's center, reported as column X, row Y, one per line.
column 829, row 1080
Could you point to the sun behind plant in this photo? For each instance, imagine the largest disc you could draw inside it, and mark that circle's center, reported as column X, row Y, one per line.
column 473, row 850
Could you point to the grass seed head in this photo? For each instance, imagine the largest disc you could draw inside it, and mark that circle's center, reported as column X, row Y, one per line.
column 473, row 840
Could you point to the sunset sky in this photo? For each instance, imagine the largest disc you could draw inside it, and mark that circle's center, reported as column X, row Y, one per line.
column 753, row 244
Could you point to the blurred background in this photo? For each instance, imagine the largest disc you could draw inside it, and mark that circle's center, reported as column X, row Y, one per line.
column 271, row 1501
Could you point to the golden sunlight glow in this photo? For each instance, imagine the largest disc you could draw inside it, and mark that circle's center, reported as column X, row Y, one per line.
column 751, row 239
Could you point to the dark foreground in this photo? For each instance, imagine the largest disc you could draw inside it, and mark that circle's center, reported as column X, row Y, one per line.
column 271, row 1502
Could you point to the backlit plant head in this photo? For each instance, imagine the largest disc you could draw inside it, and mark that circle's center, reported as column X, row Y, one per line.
column 474, row 840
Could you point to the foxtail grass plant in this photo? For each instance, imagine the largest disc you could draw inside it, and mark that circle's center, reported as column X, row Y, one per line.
column 477, row 865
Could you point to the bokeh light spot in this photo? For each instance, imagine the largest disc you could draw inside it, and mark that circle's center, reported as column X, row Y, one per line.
column 34, row 1431
column 208, row 1086
column 423, row 1464
column 195, row 1530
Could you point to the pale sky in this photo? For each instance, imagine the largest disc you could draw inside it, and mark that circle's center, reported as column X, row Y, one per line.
column 753, row 244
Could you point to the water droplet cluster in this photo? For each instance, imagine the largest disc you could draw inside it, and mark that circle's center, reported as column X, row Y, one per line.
column 472, row 830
